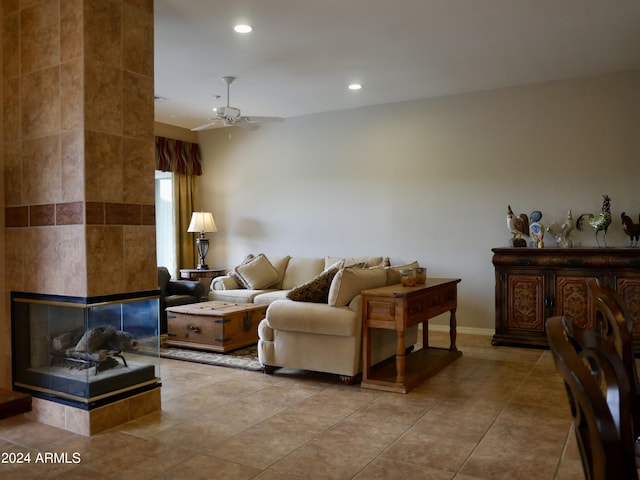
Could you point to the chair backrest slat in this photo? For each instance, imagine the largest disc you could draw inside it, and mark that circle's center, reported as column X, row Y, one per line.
column 600, row 399
column 615, row 322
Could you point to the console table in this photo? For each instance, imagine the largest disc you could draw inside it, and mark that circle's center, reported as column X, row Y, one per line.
column 533, row 284
column 396, row 308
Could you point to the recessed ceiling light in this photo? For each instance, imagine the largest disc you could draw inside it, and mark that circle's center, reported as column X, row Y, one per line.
column 243, row 28
column 355, row 86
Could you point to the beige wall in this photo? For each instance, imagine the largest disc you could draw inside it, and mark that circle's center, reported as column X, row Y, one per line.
column 427, row 180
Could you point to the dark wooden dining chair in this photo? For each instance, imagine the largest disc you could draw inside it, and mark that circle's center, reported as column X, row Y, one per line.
column 614, row 321
column 600, row 399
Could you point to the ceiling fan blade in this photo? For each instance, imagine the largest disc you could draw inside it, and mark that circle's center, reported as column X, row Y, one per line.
column 206, row 126
column 248, row 125
column 262, row 119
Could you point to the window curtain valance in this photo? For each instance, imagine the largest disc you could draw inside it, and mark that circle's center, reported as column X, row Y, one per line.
column 178, row 156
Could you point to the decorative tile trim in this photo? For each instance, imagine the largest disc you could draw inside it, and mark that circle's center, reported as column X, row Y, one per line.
column 95, row 213
column 15, row 217
column 42, row 215
column 73, row 213
column 69, row 213
column 122, row 214
column 148, row 214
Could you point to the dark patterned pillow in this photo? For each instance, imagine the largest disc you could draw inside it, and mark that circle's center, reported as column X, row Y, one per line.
column 315, row 290
column 236, row 276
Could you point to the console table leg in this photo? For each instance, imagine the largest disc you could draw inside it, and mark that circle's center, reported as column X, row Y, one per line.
column 401, row 357
column 425, row 335
column 453, row 325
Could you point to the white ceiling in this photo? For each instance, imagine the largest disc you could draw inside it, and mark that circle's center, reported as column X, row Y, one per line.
column 302, row 54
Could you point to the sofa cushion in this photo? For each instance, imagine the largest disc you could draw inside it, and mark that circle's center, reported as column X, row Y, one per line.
column 258, row 273
column 317, row 318
column 316, row 290
column 265, row 297
column 300, row 270
column 349, row 282
column 241, row 295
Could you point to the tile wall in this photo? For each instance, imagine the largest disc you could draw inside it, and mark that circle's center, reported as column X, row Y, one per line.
column 79, row 145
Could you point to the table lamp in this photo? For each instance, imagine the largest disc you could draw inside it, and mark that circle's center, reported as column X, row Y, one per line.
column 202, row 222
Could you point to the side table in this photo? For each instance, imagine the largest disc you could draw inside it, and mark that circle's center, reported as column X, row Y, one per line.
column 195, row 274
column 203, row 276
column 395, row 307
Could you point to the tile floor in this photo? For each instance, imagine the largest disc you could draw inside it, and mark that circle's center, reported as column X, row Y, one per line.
column 496, row 413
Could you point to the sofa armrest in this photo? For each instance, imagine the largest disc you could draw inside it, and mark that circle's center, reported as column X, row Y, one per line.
column 185, row 287
column 224, row 282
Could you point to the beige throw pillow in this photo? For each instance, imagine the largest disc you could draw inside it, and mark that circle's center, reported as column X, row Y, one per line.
column 357, row 262
column 258, row 273
column 349, row 282
column 236, row 276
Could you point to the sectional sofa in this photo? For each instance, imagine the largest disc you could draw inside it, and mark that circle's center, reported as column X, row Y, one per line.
column 314, row 318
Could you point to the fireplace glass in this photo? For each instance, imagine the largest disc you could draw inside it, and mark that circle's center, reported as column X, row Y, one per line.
column 85, row 351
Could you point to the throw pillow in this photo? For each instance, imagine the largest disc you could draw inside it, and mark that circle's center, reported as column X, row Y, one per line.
column 315, row 290
column 280, row 264
column 234, row 274
column 258, row 273
column 349, row 282
column 357, row 262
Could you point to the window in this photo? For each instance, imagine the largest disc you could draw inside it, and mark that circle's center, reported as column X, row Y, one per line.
column 165, row 226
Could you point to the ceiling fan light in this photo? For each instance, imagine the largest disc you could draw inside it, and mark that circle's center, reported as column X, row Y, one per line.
column 355, row 86
column 243, row 28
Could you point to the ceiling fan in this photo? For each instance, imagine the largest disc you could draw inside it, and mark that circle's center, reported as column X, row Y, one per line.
column 230, row 116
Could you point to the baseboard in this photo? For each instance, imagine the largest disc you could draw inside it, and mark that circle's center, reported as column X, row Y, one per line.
column 488, row 332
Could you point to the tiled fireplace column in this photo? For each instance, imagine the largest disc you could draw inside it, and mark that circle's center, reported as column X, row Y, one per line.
column 78, row 153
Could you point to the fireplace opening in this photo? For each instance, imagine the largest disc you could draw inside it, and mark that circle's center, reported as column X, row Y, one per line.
column 85, row 351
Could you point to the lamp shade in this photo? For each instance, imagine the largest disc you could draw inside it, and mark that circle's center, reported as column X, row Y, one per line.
column 202, row 222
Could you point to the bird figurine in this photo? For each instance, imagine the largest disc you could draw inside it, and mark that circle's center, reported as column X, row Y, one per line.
column 561, row 232
column 631, row 229
column 518, row 226
column 536, row 229
column 599, row 222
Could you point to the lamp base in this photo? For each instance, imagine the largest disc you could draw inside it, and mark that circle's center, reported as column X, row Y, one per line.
column 203, row 247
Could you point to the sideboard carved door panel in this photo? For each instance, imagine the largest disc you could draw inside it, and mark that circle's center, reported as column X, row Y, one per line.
column 525, row 302
column 629, row 289
column 572, row 300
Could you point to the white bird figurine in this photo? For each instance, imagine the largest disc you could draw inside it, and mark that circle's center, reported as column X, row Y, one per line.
column 561, row 232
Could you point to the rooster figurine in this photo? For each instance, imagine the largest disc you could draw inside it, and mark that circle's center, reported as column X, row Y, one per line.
column 630, row 228
column 561, row 232
column 599, row 222
column 518, row 226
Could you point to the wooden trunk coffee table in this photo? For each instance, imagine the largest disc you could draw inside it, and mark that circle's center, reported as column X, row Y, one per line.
column 214, row 326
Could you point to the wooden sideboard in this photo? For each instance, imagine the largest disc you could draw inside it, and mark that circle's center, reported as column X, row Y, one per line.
column 533, row 284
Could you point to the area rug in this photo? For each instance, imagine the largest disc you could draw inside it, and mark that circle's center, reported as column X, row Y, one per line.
column 243, row 358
